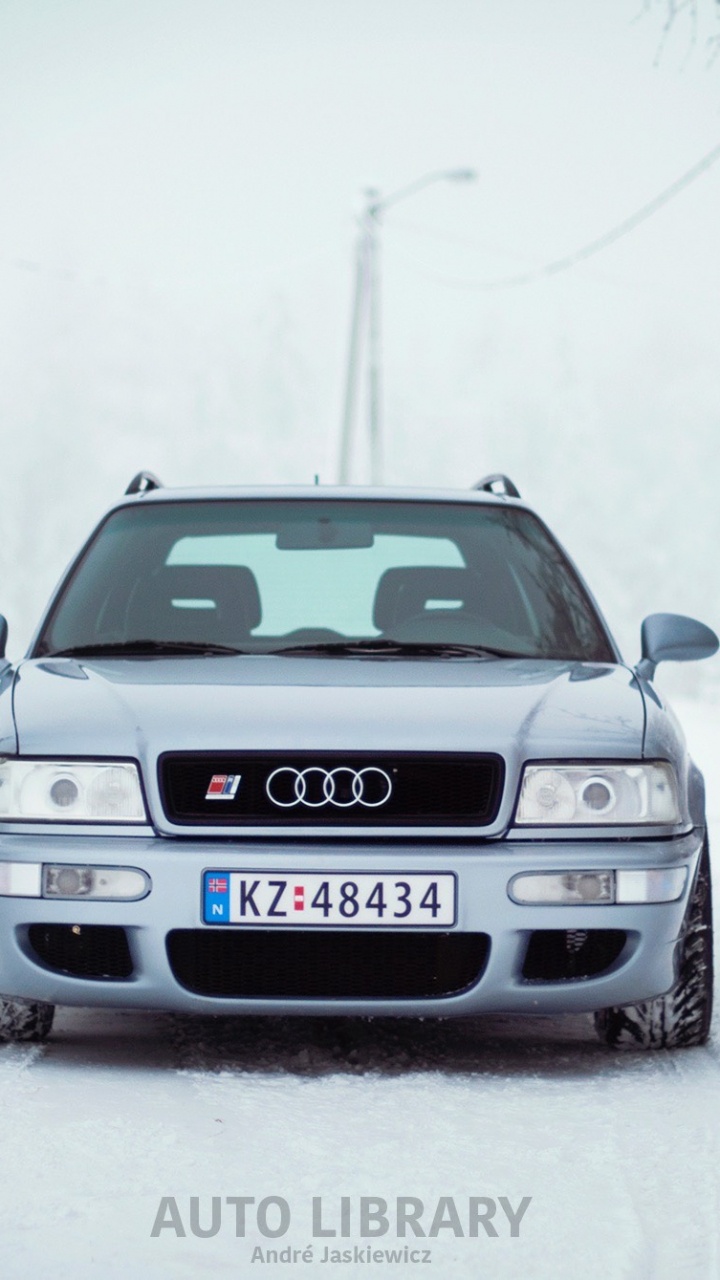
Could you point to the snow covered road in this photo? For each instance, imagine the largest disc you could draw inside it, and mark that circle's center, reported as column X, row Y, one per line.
column 620, row 1153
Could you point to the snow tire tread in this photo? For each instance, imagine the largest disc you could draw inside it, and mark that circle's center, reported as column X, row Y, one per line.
column 25, row 1019
column 680, row 1019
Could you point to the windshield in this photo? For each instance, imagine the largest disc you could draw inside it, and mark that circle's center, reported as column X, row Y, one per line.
column 260, row 576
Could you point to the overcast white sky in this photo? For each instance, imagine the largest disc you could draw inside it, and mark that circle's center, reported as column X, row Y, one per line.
column 180, row 185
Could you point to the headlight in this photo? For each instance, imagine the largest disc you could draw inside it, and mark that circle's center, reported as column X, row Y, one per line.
column 70, row 791
column 590, row 795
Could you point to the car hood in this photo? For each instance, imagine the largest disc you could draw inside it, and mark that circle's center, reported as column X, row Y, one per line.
column 124, row 708
column 135, row 707
column 140, row 707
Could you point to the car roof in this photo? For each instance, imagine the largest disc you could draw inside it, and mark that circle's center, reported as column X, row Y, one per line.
column 319, row 492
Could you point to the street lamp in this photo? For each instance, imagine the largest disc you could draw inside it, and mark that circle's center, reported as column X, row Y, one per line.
column 366, row 311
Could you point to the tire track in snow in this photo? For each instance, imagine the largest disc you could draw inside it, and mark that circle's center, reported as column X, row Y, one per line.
column 664, row 1144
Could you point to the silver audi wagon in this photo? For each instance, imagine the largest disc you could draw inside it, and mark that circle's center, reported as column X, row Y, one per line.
column 347, row 751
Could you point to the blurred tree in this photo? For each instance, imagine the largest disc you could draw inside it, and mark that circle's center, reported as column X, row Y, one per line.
column 699, row 18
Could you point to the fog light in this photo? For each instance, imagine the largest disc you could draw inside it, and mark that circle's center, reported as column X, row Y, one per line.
column 125, row 884
column 558, row 887
column 20, row 880
column 68, row 882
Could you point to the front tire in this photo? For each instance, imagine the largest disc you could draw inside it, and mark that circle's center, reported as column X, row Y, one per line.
column 25, row 1019
column 681, row 1018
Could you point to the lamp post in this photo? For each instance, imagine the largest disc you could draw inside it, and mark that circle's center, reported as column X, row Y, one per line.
column 366, row 313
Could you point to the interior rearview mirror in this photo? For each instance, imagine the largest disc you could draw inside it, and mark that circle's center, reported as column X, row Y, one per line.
column 325, row 535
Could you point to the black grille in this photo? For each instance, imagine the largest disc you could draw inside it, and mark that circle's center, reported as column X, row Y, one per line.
column 569, row 955
column 445, row 789
column 333, row 965
column 87, row 951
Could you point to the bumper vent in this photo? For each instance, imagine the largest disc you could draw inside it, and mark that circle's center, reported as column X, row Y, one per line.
column 90, row 951
column 313, row 965
column 569, row 955
column 289, row 789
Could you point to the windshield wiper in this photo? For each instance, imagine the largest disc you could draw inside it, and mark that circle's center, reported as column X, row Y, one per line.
column 119, row 648
column 383, row 648
column 380, row 648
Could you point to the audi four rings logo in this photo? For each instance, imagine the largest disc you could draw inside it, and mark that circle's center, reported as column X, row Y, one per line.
column 342, row 787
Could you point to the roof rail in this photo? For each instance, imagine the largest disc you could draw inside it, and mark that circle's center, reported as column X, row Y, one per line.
column 143, row 482
column 499, row 484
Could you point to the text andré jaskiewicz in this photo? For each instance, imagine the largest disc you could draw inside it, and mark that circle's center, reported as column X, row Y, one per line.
column 365, row 1218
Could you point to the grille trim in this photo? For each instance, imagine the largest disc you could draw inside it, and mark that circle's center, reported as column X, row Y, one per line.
column 429, row 789
column 318, row 965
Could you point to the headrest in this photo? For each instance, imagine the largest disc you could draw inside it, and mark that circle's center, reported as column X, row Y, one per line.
column 404, row 592
column 231, row 587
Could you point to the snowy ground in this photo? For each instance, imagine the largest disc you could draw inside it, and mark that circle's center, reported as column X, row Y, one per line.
column 620, row 1153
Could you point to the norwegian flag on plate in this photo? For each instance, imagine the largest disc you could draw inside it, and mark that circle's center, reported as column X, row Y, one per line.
column 223, row 786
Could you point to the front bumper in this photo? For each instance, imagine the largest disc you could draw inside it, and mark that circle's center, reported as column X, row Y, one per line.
column 645, row 966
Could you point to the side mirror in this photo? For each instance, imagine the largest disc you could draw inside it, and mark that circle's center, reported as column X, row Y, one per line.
column 3, row 635
column 670, row 637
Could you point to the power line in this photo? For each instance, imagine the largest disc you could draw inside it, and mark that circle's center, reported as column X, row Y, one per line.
column 594, row 246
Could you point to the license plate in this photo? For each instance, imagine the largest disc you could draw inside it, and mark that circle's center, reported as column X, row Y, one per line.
column 340, row 899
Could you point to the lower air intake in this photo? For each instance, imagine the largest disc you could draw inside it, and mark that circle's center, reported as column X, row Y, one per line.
column 569, row 955
column 312, row 965
column 87, row 951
